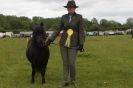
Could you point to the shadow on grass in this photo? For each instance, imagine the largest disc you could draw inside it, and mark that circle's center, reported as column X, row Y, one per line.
column 86, row 54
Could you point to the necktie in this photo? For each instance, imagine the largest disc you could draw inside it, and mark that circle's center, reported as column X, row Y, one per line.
column 70, row 18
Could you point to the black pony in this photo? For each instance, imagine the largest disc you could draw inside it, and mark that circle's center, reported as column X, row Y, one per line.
column 38, row 53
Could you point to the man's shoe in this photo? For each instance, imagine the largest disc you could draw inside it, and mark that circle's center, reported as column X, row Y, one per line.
column 74, row 84
column 64, row 85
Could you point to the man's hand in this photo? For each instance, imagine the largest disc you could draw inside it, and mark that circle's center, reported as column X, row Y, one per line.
column 48, row 42
column 80, row 48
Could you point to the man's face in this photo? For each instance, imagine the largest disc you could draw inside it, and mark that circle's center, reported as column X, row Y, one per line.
column 71, row 10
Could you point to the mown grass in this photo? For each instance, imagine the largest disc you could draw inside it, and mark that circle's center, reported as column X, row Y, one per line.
column 106, row 63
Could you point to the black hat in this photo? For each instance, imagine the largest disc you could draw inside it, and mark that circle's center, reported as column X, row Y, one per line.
column 71, row 3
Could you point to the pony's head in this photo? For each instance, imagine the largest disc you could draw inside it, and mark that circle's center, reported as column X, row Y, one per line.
column 40, row 41
column 39, row 36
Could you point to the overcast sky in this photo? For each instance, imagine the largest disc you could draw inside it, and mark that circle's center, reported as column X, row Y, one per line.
column 118, row 10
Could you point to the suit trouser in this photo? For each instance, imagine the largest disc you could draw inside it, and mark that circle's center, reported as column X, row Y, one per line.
column 69, row 59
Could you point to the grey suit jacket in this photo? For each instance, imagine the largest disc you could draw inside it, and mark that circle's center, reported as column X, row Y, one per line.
column 76, row 25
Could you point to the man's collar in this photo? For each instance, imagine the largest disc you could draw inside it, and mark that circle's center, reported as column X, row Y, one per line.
column 72, row 14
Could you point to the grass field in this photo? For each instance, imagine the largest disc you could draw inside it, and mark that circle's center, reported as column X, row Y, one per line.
column 106, row 63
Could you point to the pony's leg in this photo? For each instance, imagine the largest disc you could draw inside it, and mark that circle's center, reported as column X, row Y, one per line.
column 33, row 75
column 43, row 74
column 43, row 77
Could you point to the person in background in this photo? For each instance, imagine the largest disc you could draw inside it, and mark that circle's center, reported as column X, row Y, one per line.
column 72, row 40
column 132, row 32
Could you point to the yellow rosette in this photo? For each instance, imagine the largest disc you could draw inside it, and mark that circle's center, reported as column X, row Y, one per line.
column 69, row 32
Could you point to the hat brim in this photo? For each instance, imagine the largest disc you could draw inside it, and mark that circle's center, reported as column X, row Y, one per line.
column 71, row 6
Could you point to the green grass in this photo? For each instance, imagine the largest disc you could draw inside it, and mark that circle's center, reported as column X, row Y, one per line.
column 106, row 63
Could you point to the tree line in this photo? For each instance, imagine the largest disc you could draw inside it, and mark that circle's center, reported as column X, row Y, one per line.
column 17, row 24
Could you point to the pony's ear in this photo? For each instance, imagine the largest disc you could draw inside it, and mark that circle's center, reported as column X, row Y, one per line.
column 41, row 24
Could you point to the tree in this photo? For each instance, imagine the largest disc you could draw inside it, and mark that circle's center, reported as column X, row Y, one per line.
column 94, row 25
column 94, row 21
column 129, row 22
column 86, row 24
column 17, row 24
column 25, row 23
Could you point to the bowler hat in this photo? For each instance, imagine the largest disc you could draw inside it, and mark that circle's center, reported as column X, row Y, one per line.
column 71, row 3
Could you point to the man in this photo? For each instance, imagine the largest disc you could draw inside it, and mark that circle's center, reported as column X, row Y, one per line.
column 72, row 40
